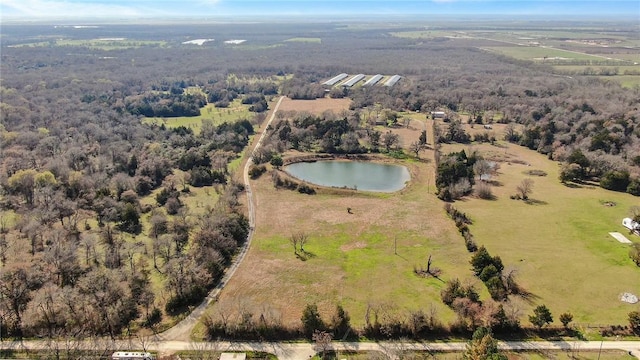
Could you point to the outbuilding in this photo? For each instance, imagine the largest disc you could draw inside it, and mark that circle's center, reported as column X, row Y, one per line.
column 631, row 225
column 438, row 114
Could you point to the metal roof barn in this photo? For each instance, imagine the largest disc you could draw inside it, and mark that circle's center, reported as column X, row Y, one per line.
column 353, row 80
column 393, row 80
column 374, row 80
column 334, row 80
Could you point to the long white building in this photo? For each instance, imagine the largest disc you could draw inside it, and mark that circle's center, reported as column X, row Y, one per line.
column 353, row 80
column 334, row 80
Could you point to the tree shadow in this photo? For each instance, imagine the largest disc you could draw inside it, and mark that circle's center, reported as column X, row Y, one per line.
column 495, row 183
column 529, row 297
column 535, row 202
column 305, row 255
column 573, row 185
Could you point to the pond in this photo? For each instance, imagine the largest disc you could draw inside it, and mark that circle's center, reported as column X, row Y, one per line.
column 360, row 175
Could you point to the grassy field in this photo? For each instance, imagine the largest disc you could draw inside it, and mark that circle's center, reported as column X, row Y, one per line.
column 628, row 81
column 99, row 44
column 539, row 53
column 559, row 242
column 557, row 355
column 426, row 34
column 311, row 40
column 235, row 111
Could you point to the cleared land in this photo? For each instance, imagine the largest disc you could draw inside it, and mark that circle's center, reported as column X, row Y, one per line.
column 317, row 106
column 235, row 111
column 311, row 40
column 98, row 44
column 558, row 243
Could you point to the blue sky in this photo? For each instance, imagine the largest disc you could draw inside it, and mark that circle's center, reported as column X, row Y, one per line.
column 123, row 9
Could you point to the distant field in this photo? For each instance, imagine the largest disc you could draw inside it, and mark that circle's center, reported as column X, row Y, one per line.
column 235, row 111
column 427, row 34
column 539, row 53
column 100, row 44
column 305, row 39
column 629, row 81
column 316, row 106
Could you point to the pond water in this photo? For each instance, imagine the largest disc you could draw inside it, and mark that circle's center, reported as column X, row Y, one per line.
column 360, row 175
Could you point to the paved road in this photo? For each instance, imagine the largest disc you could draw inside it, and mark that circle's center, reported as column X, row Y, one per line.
column 182, row 330
column 301, row 351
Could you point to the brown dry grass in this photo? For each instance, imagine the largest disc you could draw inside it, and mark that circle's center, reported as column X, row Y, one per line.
column 317, row 106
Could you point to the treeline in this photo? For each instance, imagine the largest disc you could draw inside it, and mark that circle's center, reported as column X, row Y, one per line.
column 385, row 322
column 172, row 104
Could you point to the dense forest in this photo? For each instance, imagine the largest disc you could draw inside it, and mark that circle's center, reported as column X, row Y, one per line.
column 95, row 235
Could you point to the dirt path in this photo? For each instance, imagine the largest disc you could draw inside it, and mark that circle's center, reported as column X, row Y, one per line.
column 182, row 330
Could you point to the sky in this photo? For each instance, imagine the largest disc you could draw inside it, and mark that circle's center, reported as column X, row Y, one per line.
column 132, row 9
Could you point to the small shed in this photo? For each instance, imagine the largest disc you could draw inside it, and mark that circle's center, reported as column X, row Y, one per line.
column 630, row 224
column 438, row 114
column 233, row 356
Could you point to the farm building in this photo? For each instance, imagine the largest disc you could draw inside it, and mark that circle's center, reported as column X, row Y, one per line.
column 631, row 225
column 374, row 80
column 438, row 114
column 334, row 80
column 393, row 80
column 353, row 80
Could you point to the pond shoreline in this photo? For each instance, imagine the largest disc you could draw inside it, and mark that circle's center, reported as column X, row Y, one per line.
column 349, row 172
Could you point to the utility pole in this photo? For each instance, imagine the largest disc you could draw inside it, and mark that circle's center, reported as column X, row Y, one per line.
column 395, row 245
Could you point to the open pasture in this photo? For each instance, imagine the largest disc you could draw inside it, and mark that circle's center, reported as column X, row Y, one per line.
column 317, row 106
column 558, row 242
column 539, row 53
column 310, row 40
column 235, row 111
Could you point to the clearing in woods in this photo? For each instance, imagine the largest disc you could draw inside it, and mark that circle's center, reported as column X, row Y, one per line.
column 366, row 258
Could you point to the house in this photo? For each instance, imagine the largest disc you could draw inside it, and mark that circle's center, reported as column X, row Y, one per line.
column 631, row 225
column 438, row 114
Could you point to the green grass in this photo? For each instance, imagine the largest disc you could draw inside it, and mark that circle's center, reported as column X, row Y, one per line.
column 98, row 44
column 628, row 81
column 559, row 244
column 538, row 53
column 235, row 111
column 311, row 40
column 425, row 34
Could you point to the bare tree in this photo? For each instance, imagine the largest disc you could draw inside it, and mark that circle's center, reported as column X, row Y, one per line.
column 416, row 147
column 524, row 189
column 298, row 239
column 322, row 341
column 293, row 239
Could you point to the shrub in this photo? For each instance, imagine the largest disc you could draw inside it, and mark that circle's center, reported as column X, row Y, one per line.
column 634, row 253
column 306, row 189
column 634, row 187
column 256, row 170
column 615, row 180
column 541, row 316
column 634, row 321
column 483, row 191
